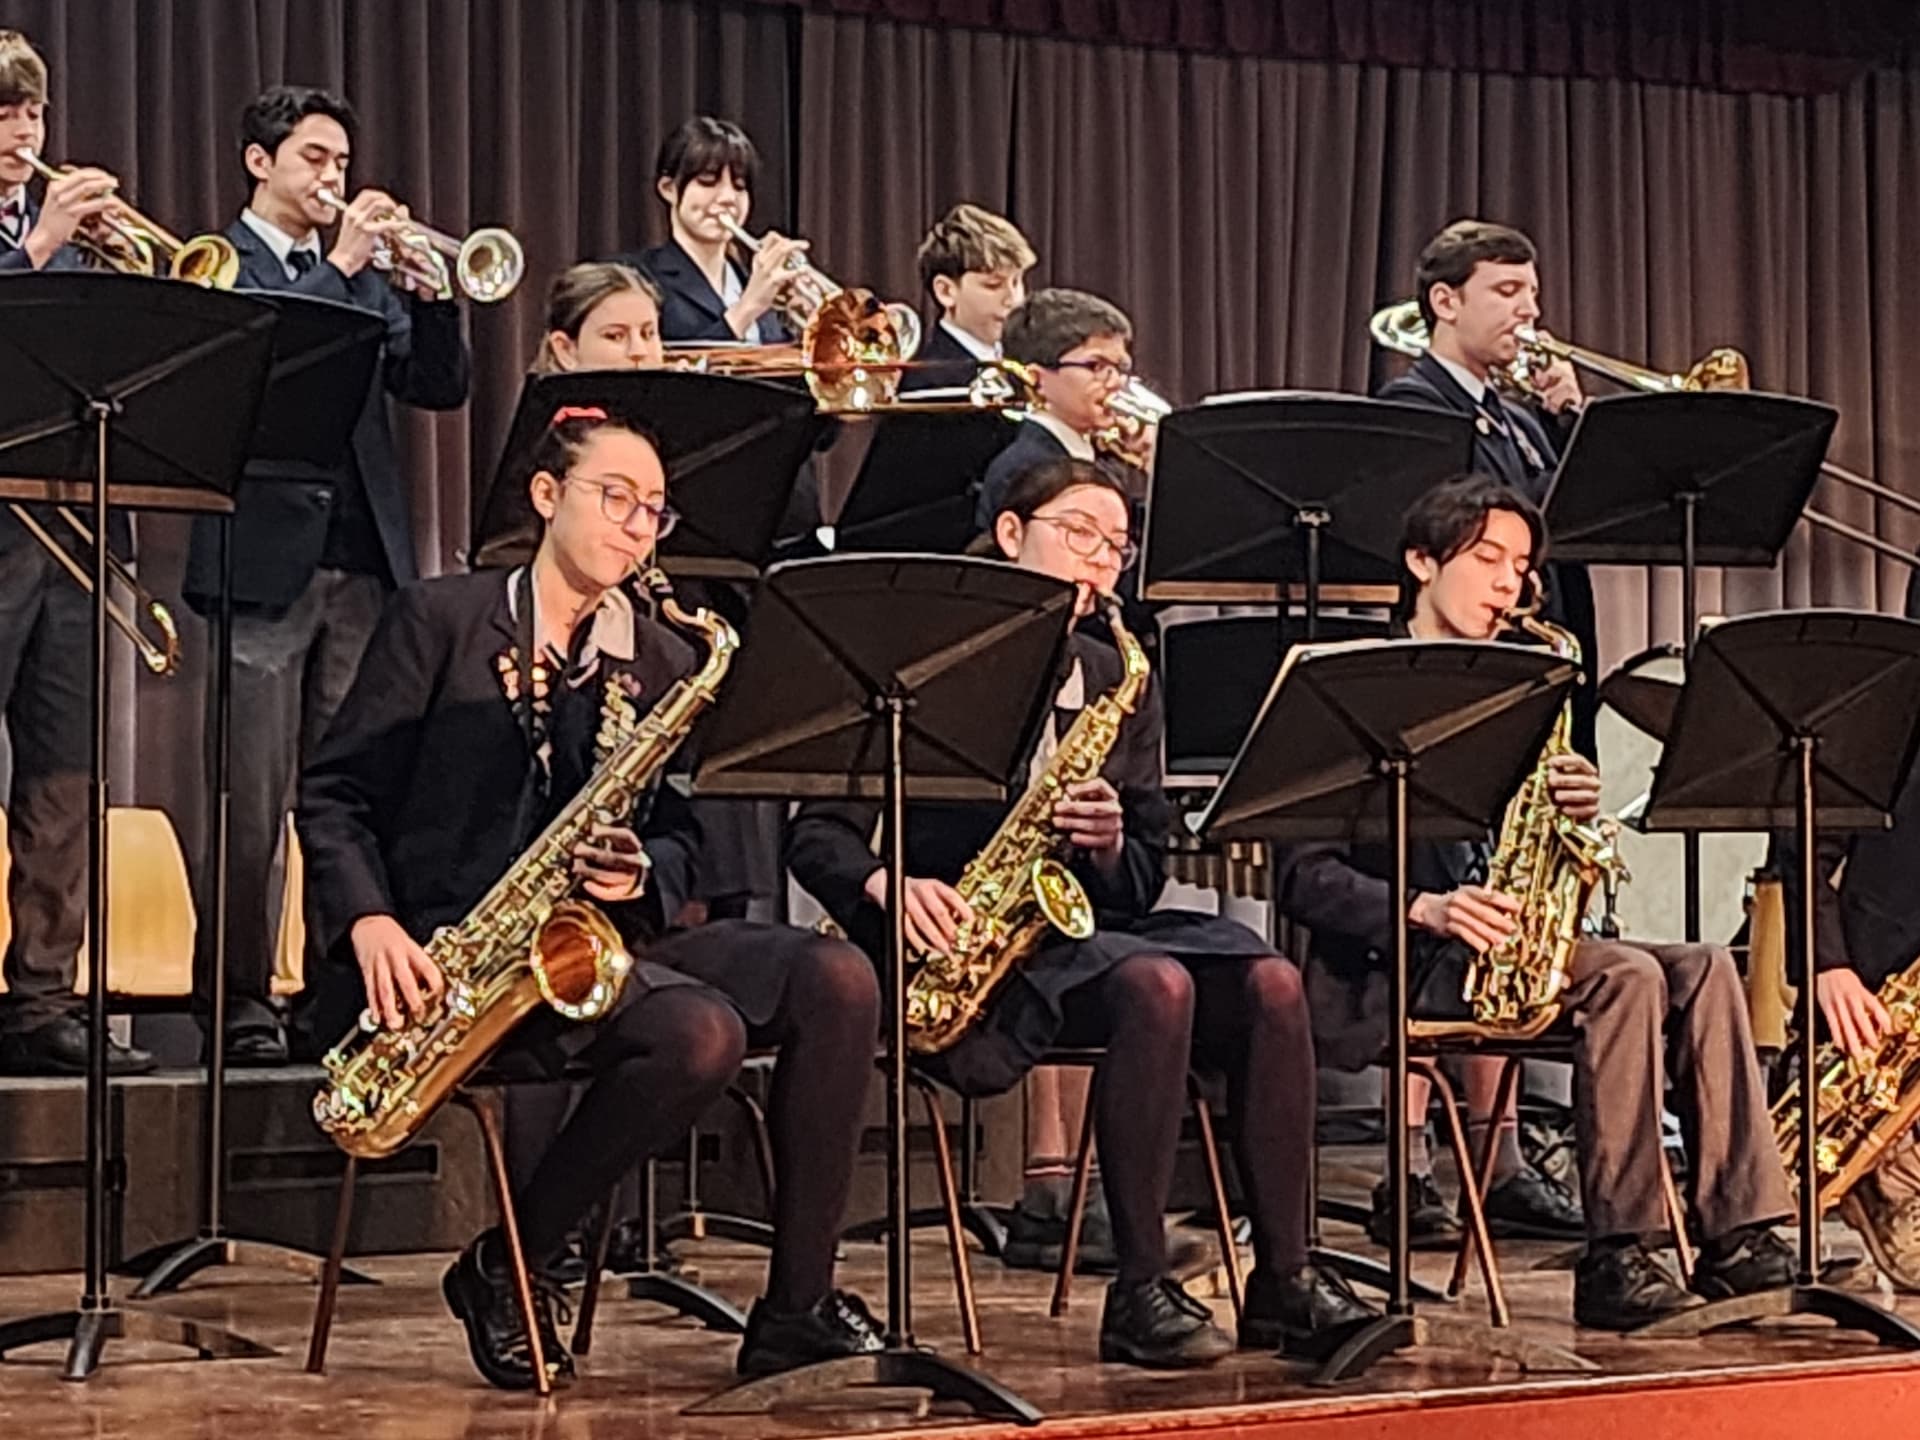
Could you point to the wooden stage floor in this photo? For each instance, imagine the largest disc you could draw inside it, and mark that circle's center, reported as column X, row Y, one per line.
column 399, row 1371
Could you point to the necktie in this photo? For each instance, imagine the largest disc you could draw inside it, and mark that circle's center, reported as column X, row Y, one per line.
column 13, row 221
column 1525, row 456
column 301, row 262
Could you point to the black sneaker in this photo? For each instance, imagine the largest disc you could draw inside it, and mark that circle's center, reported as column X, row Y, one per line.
column 479, row 1291
column 1158, row 1325
column 838, row 1324
column 1431, row 1224
column 1307, row 1312
column 1529, row 1206
column 1625, row 1288
column 1746, row 1262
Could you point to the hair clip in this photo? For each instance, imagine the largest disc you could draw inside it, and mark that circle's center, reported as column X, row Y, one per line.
column 577, row 412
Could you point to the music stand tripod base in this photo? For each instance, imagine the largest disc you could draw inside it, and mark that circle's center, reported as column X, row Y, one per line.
column 892, row 1369
column 1847, row 1311
column 166, row 1268
column 1380, row 1338
column 88, row 1331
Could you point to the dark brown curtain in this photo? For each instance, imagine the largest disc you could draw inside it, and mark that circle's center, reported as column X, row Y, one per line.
column 1250, row 212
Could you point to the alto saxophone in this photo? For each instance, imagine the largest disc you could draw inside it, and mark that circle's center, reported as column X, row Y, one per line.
column 527, row 941
column 1018, row 886
column 1551, row 864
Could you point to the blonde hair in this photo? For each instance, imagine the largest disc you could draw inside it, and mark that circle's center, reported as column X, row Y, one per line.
column 968, row 239
column 23, row 74
column 576, row 293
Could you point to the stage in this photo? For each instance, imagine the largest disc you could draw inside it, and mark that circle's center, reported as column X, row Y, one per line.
column 398, row 1370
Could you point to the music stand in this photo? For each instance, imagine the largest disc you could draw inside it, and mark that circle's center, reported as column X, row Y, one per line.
column 103, row 396
column 1803, row 718
column 1253, row 493
column 868, row 678
column 915, row 483
column 731, row 449
column 1711, row 477
column 1389, row 741
column 322, row 366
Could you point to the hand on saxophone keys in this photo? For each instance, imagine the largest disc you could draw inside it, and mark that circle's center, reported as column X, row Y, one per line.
column 611, row 864
column 1855, row 1016
column 1574, row 785
column 1483, row 918
column 1089, row 815
column 402, row 982
column 935, row 911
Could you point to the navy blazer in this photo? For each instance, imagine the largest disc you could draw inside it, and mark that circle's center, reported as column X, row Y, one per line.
column 1032, row 445
column 690, row 308
column 942, row 363
column 12, row 257
column 279, row 526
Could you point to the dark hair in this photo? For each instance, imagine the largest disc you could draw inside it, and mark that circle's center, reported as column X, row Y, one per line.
column 968, row 239
column 576, row 293
column 563, row 441
column 23, row 74
column 1451, row 255
column 1054, row 321
column 1452, row 516
column 1039, row 484
column 273, row 115
column 706, row 145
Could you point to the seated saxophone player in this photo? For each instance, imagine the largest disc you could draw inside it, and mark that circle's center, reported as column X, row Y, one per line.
column 1865, row 939
column 1639, row 1016
column 1154, row 988
column 481, row 710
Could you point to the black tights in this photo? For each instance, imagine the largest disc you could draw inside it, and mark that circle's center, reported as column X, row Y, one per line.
column 1151, row 1012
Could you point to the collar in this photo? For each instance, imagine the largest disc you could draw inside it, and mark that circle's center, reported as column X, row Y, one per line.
column 613, row 624
column 969, row 342
column 1072, row 694
column 16, row 196
column 277, row 240
column 1071, row 440
column 1475, row 387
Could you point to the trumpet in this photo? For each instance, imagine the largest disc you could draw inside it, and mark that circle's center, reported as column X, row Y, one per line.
column 1137, row 413
column 488, row 265
column 161, row 656
column 123, row 239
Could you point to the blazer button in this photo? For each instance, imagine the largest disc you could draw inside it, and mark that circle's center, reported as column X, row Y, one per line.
column 323, row 498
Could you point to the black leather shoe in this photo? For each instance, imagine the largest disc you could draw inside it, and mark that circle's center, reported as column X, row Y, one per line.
column 1529, row 1206
column 1624, row 1289
column 838, row 1324
column 1158, row 1325
column 1037, row 1242
column 1745, row 1263
column 1307, row 1312
column 1432, row 1224
column 479, row 1291
column 60, row 1047
column 256, row 1048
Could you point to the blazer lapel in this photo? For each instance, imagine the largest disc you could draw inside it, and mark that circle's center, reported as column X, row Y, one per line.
column 675, row 271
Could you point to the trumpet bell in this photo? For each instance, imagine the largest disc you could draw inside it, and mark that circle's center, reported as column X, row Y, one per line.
column 906, row 326
column 490, row 265
column 1721, row 369
column 207, row 260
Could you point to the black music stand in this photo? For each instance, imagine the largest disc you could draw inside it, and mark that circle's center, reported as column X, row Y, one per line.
column 1713, row 477
column 915, row 484
column 731, row 448
column 1388, row 741
column 103, row 392
column 1253, row 493
column 1802, row 718
column 868, row 678
column 324, row 354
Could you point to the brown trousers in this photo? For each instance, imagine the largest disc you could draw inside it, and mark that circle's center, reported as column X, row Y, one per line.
column 1643, row 1015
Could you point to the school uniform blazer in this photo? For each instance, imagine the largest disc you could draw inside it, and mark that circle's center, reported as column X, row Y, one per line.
column 1031, row 445
column 942, row 363
column 690, row 308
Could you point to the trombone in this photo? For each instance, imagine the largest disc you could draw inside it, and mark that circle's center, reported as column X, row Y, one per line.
column 488, row 265
column 161, row 656
column 1400, row 328
column 125, row 240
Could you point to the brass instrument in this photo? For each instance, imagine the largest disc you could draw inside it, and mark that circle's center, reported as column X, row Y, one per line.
column 161, row 656
column 1136, row 413
column 1552, row 864
column 1018, row 886
column 123, row 239
column 488, row 265
column 526, row 941
column 851, row 345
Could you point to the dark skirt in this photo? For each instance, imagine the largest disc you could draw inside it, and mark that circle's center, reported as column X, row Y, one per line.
column 745, row 960
column 546, row 1044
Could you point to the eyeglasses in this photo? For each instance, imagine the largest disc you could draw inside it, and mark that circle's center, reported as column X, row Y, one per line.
column 1087, row 542
column 618, row 503
column 1101, row 369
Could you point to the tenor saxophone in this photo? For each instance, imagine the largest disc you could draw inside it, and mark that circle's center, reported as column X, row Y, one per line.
column 1019, row 887
column 528, row 941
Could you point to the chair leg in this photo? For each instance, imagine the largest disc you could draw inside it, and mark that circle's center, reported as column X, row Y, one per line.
column 762, row 1141
column 1677, row 1218
column 1470, row 1202
column 1503, row 1097
column 330, row 1275
column 484, row 1109
column 598, row 1243
column 956, row 1232
column 1217, row 1184
column 1076, row 1207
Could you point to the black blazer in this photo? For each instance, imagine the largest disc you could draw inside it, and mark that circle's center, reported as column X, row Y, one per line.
column 280, row 526
column 1870, row 921
column 1569, row 587
column 690, row 308
column 1032, row 445
column 12, row 257
column 829, row 844
column 412, row 804
column 942, row 363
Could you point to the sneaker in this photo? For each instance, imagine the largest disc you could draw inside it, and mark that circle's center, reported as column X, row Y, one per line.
column 479, row 1291
column 1750, row 1260
column 1158, row 1325
column 1432, row 1224
column 838, row 1324
column 1625, row 1288
column 1306, row 1313
column 1890, row 1231
column 1529, row 1206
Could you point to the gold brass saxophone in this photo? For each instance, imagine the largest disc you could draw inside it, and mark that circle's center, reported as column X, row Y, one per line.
column 1552, row 864
column 1018, row 886
column 526, row 941
column 1867, row 1105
